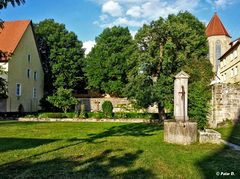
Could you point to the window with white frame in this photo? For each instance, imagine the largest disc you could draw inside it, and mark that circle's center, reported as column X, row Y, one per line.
column 224, row 62
column 235, row 70
column 34, row 93
column 232, row 72
column 235, row 54
column 18, row 89
column 28, row 73
column 35, row 75
column 231, row 56
column 29, row 58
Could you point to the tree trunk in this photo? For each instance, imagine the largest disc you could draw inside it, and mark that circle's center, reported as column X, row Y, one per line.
column 161, row 112
column 65, row 110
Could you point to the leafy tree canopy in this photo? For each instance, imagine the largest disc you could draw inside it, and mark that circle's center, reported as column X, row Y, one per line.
column 106, row 65
column 167, row 46
column 62, row 54
column 63, row 99
column 4, row 3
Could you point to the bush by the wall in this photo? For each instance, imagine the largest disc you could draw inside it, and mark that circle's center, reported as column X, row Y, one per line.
column 96, row 115
column 107, row 108
column 134, row 115
column 56, row 115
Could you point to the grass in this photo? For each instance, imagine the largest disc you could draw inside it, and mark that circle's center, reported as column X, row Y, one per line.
column 230, row 132
column 105, row 150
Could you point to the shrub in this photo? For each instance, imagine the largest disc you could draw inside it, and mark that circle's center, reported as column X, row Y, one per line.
column 97, row 115
column 135, row 115
column 20, row 108
column 63, row 98
column 107, row 108
column 53, row 115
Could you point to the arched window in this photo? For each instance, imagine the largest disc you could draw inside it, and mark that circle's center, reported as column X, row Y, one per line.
column 218, row 53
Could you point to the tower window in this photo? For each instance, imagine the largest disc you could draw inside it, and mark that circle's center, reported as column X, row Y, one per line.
column 218, row 52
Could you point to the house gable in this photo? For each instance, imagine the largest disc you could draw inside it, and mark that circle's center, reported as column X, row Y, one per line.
column 25, row 69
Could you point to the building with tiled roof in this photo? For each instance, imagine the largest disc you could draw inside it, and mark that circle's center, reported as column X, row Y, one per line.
column 218, row 40
column 230, row 64
column 24, row 76
column 223, row 54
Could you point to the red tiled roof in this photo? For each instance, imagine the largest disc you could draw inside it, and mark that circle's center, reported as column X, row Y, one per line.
column 11, row 34
column 216, row 27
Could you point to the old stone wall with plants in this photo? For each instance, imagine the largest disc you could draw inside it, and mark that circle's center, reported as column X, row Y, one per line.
column 225, row 103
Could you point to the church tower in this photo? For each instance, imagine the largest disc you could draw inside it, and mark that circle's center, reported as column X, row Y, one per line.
column 218, row 40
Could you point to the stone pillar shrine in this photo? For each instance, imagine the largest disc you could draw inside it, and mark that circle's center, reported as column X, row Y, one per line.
column 181, row 96
column 180, row 130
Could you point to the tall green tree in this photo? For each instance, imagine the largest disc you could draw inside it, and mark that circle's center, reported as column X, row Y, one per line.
column 167, row 46
column 106, row 65
column 62, row 52
column 62, row 57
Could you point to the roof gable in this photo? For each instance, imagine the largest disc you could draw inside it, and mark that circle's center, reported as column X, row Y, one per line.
column 182, row 74
column 11, row 34
column 234, row 45
column 216, row 27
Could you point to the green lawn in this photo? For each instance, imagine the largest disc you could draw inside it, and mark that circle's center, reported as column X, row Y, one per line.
column 230, row 132
column 105, row 150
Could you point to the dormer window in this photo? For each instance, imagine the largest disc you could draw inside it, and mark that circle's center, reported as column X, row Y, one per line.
column 231, row 56
column 235, row 54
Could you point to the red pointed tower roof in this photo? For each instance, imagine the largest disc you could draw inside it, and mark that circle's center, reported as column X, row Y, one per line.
column 216, row 27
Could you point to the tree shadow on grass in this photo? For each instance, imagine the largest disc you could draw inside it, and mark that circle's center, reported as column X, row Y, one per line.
column 133, row 129
column 7, row 144
column 108, row 164
column 222, row 163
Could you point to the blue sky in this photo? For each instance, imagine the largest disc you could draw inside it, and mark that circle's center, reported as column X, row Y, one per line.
column 87, row 18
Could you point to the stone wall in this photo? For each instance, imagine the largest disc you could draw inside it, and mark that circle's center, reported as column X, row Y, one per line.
column 225, row 103
column 119, row 104
column 183, row 133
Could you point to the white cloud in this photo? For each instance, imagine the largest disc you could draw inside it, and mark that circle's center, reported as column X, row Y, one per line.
column 223, row 3
column 88, row 45
column 113, row 8
column 103, row 17
column 220, row 3
column 123, row 21
column 134, row 11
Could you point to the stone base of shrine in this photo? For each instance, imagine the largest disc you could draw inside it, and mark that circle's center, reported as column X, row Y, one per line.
column 183, row 133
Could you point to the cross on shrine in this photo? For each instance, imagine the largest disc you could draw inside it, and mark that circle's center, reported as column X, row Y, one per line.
column 182, row 92
column 183, row 99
